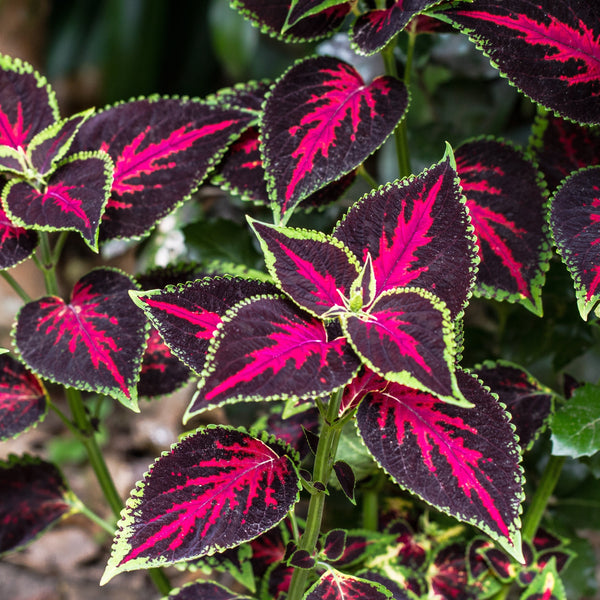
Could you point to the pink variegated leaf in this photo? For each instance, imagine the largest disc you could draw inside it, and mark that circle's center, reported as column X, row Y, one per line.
column 418, row 234
column 529, row 403
column 375, row 28
column 270, row 16
column 335, row 585
column 407, row 336
column 575, row 227
column 27, row 103
column 16, row 243
column 313, row 269
column 463, row 461
column 364, row 383
column 267, row 349
column 216, row 489
column 508, row 207
column 246, row 97
column 162, row 149
column 561, row 147
column 23, row 399
column 204, row 590
column 546, row 585
column 34, row 497
column 320, row 121
column 301, row 9
column 73, row 199
column 549, row 50
column 187, row 315
column 449, row 575
column 95, row 342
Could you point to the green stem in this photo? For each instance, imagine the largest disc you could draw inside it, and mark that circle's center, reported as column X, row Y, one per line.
column 14, row 284
column 92, row 516
column 326, row 451
column 367, row 177
column 47, row 265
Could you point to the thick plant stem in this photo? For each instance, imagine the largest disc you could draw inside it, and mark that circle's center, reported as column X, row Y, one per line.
column 326, row 451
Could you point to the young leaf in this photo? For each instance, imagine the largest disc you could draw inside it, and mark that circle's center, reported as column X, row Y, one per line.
column 93, row 343
column 16, row 243
column 301, row 9
column 27, row 103
column 549, row 50
column 321, row 121
column 529, row 403
column 270, row 16
column 576, row 426
column 34, row 497
column 215, row 489
column 162, row 149
column 187, row 316
column 507, row 205
column 346, row 478
column 204, row 590
column 546, row 586
column 266, row 349
column 375, row 28
column 417, row 232
column 575, row 227
column 463, row 461
column 22, row 398
column 334, row 585
column 73, row 199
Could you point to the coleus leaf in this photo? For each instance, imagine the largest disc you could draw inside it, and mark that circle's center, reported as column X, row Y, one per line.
column 575, row 227
column 34, row 497
column 320, row 121
column 400, row 590
column 418, row 233
column 73, row 199
column 270, row 16
column 463, row 461
column 247, row 97
column 561, row 147
column 334, row 585
column 300, row 9
column 373, row 29
column 549, row 50
column 508, row 207
column 449, row 574
column 23, row 399
column 27, row 103
column 215, row 489
column 546, row 586
column 95, row 342
column 187, row 315
column 162, row 149
column 266, row 349
column 204, row 590
column 16, row 243
column 530, row 403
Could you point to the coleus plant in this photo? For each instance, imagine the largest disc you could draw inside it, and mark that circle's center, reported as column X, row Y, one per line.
column 355, row 335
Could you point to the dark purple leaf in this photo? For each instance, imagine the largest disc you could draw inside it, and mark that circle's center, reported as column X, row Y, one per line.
column 301, row 559
column 269, row 548
column 346, row 478
column 320, row 122
column 334, row 585
column 34, row 497
column 301, row 9
column 188, row 315
column 247, row 97
column 162, row 372
column 22, row 398
column 561, row 147
column 398, row 592
column 217, row 488
column 463, row 461
column 27, row 103
column 375, row 28
column 270, row 16
column 547, row 585
column 502, row 565
column 74, row 198
column 269, row 350
column 294, row 429
column 204, row 590
column 16, row 243
column 93, row 343
column 550, row 50
column 575, row 226
column 365, row 382
column 162, row 150
column 410, row 549
column 529, row 403
column 507, row 204
column 450, row 578
column 334, row 544
column 277, row 581
column 417, row 233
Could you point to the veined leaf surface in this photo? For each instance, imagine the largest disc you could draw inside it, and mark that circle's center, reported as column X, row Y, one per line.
column 463, row 461
column 550, row 50
column 204, row 590
column 16, row 243
column 508, row 209
column 22, row 398
column 215, row 489
column 320, row 122
column 267, row 349
column 95, row 342
column 334, row 585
